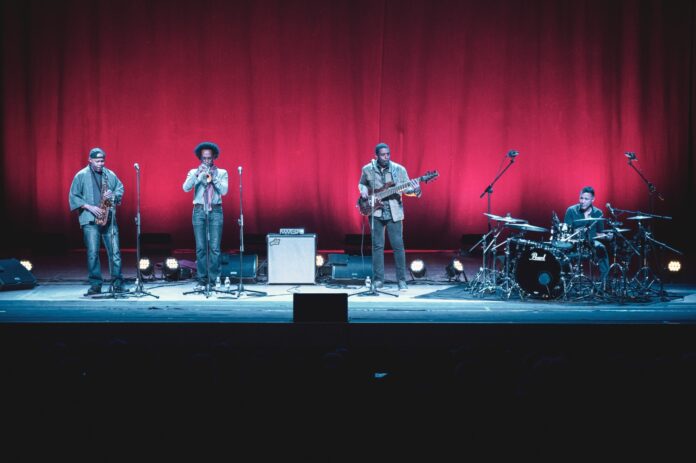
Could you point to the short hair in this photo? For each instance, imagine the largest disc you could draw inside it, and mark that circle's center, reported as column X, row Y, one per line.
column 380, row 146
column 207, row 145
column 95, row 153
column 588, row 189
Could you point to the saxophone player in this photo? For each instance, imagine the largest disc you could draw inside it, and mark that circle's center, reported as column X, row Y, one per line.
column 209, row 184
column 93, row 193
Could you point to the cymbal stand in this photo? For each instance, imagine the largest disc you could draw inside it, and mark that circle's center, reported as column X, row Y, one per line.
column 485, row 280
column 508, row 283
column 618, row 285
column 645, row 278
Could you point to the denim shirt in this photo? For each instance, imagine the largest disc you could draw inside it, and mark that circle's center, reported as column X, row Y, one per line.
column 371, row 179
column 219, row 182
column 82, row 192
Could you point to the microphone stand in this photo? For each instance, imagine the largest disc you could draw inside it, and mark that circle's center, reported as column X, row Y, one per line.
column 110, row 220
column 240, row 221
column 138, row 291
column 373, row 291
column 652, row 190
column 206, row 290
column 486, row 272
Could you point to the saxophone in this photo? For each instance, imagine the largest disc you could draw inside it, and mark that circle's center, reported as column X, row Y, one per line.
column 104, row 204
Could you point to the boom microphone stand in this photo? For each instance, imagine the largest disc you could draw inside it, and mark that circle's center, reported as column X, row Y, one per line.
column 240, row 221
column 138, row 291
column 486, row 272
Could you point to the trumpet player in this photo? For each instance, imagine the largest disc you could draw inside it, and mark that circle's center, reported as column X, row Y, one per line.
column 94, row 190
column 209, row 183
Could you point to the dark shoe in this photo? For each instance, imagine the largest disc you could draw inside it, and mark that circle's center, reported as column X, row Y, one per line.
column 379, row 284
column 96, row 289
column 402, row 285
column 118, row 287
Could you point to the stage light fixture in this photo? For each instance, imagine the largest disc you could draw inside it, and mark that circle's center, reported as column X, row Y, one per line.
column 171, row 268
column 417, row 268
column 27, row 264
column 454, row 268
column 674, row 266
column 146, row 267
column 319, row 261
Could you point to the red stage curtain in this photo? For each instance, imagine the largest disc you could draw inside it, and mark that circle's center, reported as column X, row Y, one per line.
column 299, row 92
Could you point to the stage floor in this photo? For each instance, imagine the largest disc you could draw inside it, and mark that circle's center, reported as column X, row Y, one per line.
column 59, row 297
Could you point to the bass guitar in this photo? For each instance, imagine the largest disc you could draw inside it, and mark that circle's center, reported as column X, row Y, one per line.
column 389, row 189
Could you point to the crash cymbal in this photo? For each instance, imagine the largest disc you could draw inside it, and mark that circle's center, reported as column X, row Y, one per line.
column 498, row 218
column 639, row 217
column 526, row 227
column 590, row 221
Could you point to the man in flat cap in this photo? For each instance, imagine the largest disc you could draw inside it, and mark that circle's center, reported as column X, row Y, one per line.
column 209, row 185
column 94, row 193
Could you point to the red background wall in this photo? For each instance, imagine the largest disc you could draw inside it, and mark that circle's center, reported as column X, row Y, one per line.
column 299, row 92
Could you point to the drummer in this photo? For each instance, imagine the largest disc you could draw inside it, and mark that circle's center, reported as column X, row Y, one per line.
column 580, row 215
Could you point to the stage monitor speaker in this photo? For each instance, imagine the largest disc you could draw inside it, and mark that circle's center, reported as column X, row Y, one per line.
column 320, row 307
column 345, row 267
column 291, row 258
column 13, row 275
column 229, row 266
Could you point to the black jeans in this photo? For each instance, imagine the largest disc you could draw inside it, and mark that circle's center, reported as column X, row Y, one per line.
column 396, row 239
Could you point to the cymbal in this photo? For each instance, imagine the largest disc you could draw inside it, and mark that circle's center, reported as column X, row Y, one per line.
column 589, row 221
column 526, row 227
column 498, row 218
column 639, row 217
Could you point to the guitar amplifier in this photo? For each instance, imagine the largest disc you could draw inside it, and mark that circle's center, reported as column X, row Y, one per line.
column 291, row 258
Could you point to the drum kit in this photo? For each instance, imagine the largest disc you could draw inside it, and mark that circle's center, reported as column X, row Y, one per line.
column 565, row 267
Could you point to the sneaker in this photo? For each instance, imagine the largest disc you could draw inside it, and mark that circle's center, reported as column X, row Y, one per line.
column 95, row 289
column 379, row 284
column 402, row 285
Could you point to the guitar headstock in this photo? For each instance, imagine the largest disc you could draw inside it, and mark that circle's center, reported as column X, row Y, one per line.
column 429, row 175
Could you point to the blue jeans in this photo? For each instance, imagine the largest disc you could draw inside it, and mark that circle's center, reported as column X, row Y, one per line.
column 92, row 233
column 395, row 231
column 215, row 235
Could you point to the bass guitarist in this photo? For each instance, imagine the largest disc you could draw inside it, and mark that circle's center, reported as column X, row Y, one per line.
column 379, row 173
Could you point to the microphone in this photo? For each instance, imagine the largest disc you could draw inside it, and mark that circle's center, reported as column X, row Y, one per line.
column 137, row 167
column 611, row 209
column 239, row 169
column 630, row 155
column 513, row 153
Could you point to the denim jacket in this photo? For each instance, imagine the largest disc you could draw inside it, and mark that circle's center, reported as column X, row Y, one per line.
column 82, row 192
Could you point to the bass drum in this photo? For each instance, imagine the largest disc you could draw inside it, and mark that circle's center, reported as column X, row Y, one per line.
column 538, row 272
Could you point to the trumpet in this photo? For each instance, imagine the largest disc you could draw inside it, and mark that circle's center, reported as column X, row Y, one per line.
column 205, row 169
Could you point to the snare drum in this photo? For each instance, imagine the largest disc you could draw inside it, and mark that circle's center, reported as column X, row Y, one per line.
column 564, row 239
column 539, row 271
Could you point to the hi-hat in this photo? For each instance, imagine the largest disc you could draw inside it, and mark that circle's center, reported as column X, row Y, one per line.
column 526, row 227
column 639, row 217
column 498, row 218
column 589, row 221
column 605, row 235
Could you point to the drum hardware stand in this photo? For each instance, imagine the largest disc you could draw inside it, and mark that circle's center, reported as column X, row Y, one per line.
column 485, row 280
column 645, row 277
column 506, row 287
